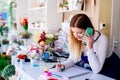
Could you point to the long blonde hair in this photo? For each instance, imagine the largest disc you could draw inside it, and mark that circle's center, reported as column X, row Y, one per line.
column 75, row 46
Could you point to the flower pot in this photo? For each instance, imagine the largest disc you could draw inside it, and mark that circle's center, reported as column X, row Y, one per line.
column 22, row 62
column 4, row 48
column 14, row 59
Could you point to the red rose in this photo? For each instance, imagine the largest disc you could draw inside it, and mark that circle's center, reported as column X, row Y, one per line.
column 24, row 21
column 19, row 56
column 24, row 57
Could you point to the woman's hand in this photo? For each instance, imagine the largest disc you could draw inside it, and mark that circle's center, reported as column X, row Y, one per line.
column 60, row 67
column 89, row 41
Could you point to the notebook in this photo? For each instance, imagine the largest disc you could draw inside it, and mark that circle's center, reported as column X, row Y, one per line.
column 71, row 72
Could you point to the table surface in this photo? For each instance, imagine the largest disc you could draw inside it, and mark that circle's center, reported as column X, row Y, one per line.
column 34, row 72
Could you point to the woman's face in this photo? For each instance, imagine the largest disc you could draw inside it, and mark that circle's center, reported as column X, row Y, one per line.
column 78, row 33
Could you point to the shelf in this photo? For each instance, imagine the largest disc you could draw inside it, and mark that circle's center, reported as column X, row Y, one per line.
column 38, row 8
column 43, row 14
column 70, row 5
column 64, row 10
column 36, row 28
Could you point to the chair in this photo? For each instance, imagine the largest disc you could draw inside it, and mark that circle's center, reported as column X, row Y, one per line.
column 111, row 67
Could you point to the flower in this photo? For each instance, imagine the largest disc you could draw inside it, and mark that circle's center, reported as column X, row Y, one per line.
column 46, row 38
column 24, row 23
column 34, row 52
column 5, row 41
column 22, row 56
column 3, row 29
column 25, row 35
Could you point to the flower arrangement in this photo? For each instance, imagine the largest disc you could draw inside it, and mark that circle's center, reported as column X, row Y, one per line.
column 25, row 35
column 34, row 52
column 46, row 38
column 3, row 29
column 5, row 41
column 24, row 24
column 18, row 42
column 64, row 5
column 22, row 56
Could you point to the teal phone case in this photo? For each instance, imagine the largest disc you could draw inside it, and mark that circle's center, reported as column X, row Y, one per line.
column 89, row 31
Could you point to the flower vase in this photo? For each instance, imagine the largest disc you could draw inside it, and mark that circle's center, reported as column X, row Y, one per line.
column 13, row 59
column 21, row 62
column 25, row 27
column 32, row 61
column 4, row 47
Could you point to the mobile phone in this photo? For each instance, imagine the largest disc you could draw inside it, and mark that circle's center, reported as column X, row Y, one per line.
column 89, row 31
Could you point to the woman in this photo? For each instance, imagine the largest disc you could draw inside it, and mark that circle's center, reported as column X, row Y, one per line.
column 91, row 55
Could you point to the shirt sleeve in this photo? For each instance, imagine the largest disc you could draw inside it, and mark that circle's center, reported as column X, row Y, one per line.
column 69, row 62
column 96, row 59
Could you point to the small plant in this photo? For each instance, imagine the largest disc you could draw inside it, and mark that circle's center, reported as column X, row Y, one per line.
column 60, row 5
column 8, row 71
column 5, row 41
column 4, row 61
column 24, row 23
column 25, row 35
column 19, row 42
column 64, row 5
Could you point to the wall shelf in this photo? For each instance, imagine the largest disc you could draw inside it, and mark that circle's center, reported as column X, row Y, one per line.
column 70, row 5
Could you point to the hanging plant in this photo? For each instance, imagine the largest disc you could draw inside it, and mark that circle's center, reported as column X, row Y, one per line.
column 11, row 13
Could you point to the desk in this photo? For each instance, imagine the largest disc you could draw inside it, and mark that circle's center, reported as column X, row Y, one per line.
column 28, row 72
column 92, row 76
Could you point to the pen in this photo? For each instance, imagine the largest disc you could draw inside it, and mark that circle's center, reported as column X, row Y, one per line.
column 53, row 66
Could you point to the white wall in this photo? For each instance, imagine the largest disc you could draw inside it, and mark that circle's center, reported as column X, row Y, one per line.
column 115, row 25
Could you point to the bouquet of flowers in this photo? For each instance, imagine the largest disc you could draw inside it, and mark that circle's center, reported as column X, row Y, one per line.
column 24, row 24
column 33, row 52
column 5, row 41
column 22, row 56
column 46, row 38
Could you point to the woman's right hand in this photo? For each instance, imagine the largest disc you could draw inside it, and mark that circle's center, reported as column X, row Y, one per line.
column 60, row 67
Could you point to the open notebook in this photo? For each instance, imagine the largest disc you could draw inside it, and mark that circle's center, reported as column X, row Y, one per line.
column 71, row 72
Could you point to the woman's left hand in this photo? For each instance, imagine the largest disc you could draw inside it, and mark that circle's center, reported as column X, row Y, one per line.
column 89, row 41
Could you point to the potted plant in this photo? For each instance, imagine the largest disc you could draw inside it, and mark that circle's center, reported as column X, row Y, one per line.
column 24, row 24
column 4, row 45
column 8, row 71
column 18, row 42
column 22, row 58
column 60, row 6
column 5, row 41
column 63, row 6
column 4, row 61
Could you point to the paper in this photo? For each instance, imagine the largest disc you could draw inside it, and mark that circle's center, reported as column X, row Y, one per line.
column 71, row 72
